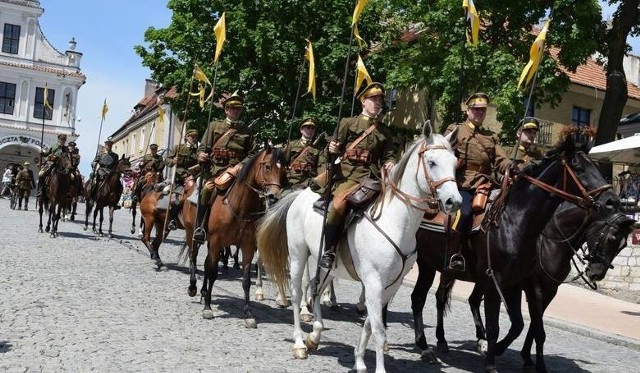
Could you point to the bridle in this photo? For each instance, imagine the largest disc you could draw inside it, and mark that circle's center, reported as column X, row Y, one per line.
column 431, row 199
column 262, row 191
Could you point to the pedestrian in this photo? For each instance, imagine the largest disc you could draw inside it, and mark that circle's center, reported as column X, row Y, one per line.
column 479, row 154
column 225, row 144
column 25, row 184
column 6, row 180
column 367, row 145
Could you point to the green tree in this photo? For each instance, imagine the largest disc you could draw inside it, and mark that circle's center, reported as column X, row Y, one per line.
column 433, row 60
column 625, row 22
column 262, row 56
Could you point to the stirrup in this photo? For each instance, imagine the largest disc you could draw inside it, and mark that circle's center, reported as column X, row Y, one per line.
column 457, row 263
column 327, row 260
column 199, row 235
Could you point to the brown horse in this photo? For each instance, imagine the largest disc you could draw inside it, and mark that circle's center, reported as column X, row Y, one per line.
column 56, row 195
column 232, row 221
column 154, row 216
column 108, row 194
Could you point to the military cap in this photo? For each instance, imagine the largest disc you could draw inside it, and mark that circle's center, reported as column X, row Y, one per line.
column 233, row 100
column 153, row 146
column 530, row 123
column 62, row 136
column 72, row 143
column 27, row 164
column 108, row 142
column 478, row 99
column 309, row 122
column 191, row 132
column 372, row 90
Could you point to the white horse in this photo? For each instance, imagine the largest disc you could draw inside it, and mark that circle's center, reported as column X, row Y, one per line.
column 381, row 246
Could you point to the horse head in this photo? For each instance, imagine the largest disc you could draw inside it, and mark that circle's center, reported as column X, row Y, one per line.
column 434, row 161
column 265, row 173
column 605, row 239
column 123, row 164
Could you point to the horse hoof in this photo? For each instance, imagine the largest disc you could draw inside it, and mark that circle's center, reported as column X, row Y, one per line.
column 73, row 218
column 40, row 230
column 133, row 230
column 259, row 297
column 386, row 347
column 300, row 353
column 110, row 235
column 192, row 291
column 85, row 228
column 311, row 345
column 306, row 317
column 361, row 311
column 47, row 229
column 250, row 323
column 442, row 347
column 283, row 303
column 429, row 356
column 482, row 346
column 207, row 314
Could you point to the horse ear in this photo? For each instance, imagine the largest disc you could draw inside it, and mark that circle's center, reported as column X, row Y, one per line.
column 452, row 137
column 427, row 130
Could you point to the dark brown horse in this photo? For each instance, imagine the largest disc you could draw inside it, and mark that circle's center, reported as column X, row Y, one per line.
column 561, row 240
column 56, row 196
column 508, row 253
column 107, row 195
column 232, row 221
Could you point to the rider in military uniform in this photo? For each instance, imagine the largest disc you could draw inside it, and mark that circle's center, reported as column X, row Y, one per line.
column 102, row 165
column 51, row 155
column 303, row 156
column 377, row 149
column 152, row 162
column 183, row 157
column 225, row 144
column 74, row 153
column 527, row 153
column 25, row 183
column 479, row 152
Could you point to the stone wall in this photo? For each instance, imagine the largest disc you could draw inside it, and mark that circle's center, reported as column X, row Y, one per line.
column 626, row 272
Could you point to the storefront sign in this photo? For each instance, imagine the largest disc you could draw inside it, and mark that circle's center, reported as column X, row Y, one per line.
column 22, row 140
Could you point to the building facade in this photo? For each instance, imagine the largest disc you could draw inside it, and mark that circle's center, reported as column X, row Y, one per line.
column 30, row 68
column 152, row 122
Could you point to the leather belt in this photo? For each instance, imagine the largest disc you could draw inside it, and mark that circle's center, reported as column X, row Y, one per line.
column 474, row 167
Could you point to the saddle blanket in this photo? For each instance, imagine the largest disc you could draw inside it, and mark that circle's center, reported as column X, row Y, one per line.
column 193, row 198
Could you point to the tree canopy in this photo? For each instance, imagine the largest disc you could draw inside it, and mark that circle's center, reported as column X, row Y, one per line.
column 266, row 39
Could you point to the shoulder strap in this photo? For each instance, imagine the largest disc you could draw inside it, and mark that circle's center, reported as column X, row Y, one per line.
column 362, row 137
column 306, row 148
column 229, row 133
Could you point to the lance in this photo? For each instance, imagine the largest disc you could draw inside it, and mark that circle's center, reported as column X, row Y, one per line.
column 459, row 115
column 295, row 105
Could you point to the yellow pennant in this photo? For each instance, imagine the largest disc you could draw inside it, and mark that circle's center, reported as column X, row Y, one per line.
column 46, row 97
column 535, row 56
column 105, row 109
column 361, row 75
column 161, row 112
column 199, row 75
column 308, row 55
column 220, row 31
column 473, row 21
column 361, row 42
column 358, row 10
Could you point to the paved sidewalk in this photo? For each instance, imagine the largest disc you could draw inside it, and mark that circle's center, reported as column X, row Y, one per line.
column 576, row 309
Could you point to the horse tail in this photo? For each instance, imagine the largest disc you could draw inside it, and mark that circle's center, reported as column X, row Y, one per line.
column 271, row 238
column 443, row 295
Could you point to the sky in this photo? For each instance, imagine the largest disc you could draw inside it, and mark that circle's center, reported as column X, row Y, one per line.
column 106, row 32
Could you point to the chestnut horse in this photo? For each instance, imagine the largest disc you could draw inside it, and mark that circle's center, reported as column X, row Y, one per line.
column 508, row 253
column 232, row 221
column 56, row 194
column 108, row 195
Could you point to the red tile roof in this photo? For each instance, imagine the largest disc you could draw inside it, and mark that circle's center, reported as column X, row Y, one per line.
column 143, row 107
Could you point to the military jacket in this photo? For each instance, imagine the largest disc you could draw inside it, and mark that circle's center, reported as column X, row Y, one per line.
column 303, row 159
column 186, row 155
column 155, row 162
column 479, row 152
column 25, row 180
column 75, row 158
column 229, row 151
column 369, row 154
column 526, row 156
column 106, row 160
column 56, row 151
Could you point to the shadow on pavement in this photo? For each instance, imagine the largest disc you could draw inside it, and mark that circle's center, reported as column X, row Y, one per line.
column 5, row 346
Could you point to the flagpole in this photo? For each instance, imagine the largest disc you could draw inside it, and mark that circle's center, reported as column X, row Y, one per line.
column 459, row 115
column 295, row 105
column 101, row 122
column 44, row 112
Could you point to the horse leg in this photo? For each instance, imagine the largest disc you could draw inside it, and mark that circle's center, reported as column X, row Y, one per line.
column 193, row 257
column 111, row 211
column 298, row 264
column 513, row 297
column 361, row 308
column 329, row 297
column 101, row 221
column 236, row 263
column 539, row 299
column 40, row 212
column 372, row 325
column 155, row 245
column 74, row 206
column 247, row 258
column 210, row 274
column 87, row 211
column 492, row 315
column 474, row 303
column 224, row 256
column 133, row 219
column 259, row 290
column 443, row 298
column 49, row 209
column 426, row 275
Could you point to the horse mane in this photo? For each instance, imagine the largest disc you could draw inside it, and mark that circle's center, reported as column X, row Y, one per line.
column 277, row 154
column 398, row 170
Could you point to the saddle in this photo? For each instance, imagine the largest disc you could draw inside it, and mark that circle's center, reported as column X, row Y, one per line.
column 436, row 222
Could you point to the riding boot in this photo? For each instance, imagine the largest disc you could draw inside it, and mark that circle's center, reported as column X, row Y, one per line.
column 173, row 215
column 200, row 234
column 331, row 237
column 40, row 186
column 456, row 261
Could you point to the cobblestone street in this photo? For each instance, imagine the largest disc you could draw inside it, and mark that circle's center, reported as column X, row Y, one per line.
column 80, row 303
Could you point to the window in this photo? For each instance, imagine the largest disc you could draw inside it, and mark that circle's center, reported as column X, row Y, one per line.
column 141, row 140
column 11, row 39
column 39, row 109
column 133, row 144
column 7, row 97
column 581, row 117
column 544, row 134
